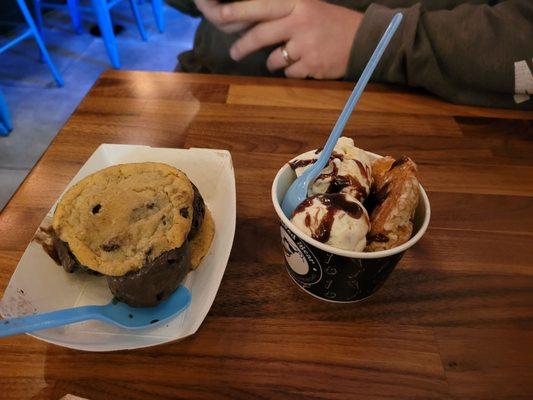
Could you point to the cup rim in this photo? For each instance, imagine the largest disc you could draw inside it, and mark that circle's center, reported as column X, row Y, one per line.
column 348, row 253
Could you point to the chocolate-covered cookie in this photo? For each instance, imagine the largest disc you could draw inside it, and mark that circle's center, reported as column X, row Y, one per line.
column 198, row 207
column 116, row 218
column 133, row 223
column 155, row 281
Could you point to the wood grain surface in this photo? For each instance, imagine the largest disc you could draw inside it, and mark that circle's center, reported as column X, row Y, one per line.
column 454, row 320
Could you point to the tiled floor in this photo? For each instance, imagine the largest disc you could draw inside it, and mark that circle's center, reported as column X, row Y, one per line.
column 39, row 109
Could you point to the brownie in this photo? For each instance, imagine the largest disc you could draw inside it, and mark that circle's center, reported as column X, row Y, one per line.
column 146, row 287
column 155, row 281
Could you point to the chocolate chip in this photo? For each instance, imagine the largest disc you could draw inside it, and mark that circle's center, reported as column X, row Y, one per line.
column 110, row 246
column 96, row 209
column 164, row 220
column 380, row 238
column 184, row 212
column 150, row 205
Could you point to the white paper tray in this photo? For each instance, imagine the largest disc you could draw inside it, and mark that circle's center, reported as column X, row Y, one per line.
column 39, row 284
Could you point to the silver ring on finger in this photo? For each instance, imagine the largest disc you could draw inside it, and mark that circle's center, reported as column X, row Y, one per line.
column 286, row 56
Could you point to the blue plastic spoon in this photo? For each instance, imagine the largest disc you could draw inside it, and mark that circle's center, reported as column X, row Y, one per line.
column 116, row 313
column 297, row 192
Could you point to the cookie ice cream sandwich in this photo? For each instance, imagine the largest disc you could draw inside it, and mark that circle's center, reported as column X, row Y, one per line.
column 144, row 226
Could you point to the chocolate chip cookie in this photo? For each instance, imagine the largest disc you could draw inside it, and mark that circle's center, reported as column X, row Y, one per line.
column 116, row 219
column 133, row 224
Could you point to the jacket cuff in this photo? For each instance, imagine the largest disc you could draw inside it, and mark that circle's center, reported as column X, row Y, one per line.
column 373, row 25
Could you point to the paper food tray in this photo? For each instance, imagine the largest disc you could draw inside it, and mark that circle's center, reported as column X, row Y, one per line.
column 39, row 284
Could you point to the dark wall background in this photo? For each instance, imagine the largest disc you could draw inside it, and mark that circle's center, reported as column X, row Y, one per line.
column 10, row 14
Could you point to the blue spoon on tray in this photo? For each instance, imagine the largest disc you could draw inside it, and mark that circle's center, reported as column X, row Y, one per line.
column 297, row 192
column 116, row 313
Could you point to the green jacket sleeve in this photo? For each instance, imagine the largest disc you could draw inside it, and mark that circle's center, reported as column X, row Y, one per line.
column 185, row 6
column 472, row 54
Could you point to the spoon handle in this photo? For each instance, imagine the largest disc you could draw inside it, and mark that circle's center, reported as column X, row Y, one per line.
column 357, row 91
column 47, row 320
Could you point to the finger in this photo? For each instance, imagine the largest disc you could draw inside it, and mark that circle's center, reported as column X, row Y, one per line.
column 262, row 35
column 205, row 6
column 256, row 10
column 276, row 60
column 211, row 10
column 297, row 70
column 234, row 27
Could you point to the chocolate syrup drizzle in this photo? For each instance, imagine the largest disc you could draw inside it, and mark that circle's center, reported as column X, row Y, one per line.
column 337, row 182
column 301, row 163
column 376, row 198
column 304, row 163
column 399, row 162
column 334, row 203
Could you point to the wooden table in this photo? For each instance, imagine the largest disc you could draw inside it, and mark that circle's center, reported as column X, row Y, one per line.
column 454, row 320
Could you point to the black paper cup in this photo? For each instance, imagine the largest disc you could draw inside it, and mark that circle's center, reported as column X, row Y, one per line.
column 333, row 274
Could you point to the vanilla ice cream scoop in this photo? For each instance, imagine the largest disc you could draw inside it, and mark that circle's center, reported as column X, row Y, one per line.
column 337, row 219
column 349, row 170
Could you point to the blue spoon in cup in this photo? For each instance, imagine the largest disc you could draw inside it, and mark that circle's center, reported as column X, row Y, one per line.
column 297, row 192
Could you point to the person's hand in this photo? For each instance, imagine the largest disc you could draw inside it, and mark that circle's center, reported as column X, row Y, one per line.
column 318, row 36
column 212, row 11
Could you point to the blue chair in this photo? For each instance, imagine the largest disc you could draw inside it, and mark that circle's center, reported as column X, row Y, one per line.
column 32, row 30
column 74, row 10
column 6, row 125
column 157, row 7
column 102, row 10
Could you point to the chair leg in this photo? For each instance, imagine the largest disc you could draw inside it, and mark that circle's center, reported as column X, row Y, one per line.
column 39, row 40
column 3, row 130
column 157, row 6
column 37, row 10
column 38, row 16
column 75, row 15
column 138, row 20
column 5, row 122
column 106, row 28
